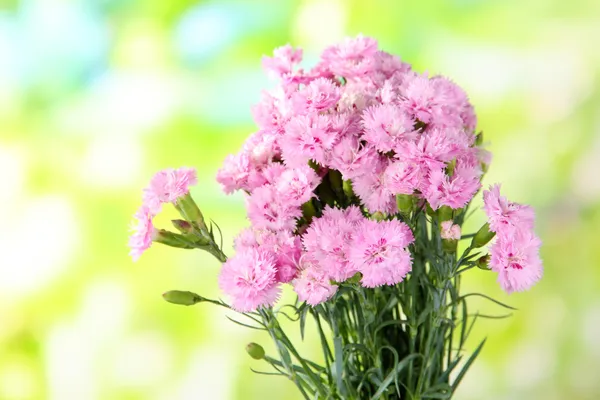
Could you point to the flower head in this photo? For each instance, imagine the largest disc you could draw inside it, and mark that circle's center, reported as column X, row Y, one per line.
column 167, row 186
column 379, row 252
column 516, row 260
column 313, row 285
column 249, row 279
column 450, row 231
column 144, row 233
column 504, row 215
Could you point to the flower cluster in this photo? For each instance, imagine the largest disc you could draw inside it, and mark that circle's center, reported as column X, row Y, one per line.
column 515, row 253
column 344, row 152
column 366, row 118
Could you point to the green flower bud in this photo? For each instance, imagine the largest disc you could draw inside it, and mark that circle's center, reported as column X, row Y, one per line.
column 449, row 246
column 173, row 239
column 182, row 298
column 182, row 226
column 483, row 236
column 479, row 139
column 445, row 213
column 189, row 210
column 308, row 211
column 255, row 351
column 378, row 216
column 405, row 203
column 348, row 190
column 483, row 262
column 450, row 167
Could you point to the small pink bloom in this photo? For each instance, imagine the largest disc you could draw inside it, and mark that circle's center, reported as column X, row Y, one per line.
column 402, row 177
column 313, row 285
column 504, row 215
column 296, row 186
column 249, row 279
column 516, row 259
column 234, row 173
column 371, row 189
column 283, row 61
column 351, row 157
column 144, row 233
column 450, row 231
column 167, row 186
column 267, row 211
column 328, row 239
column 387, row 126
column 352, row 57
column 306, row 138
column 319, row 95
column 379, row 252
column 455, row 191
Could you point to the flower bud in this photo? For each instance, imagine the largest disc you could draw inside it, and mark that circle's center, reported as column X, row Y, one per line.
column 173, row 239
column 308, row 211
column 378, row 216
column 450, row 167
column 449, row 246
column 483, row 262
column 255, row 351
column 445, row 214
column 182, row 226
column 405, row 203
column 348, row 190
column 483, row 236
column 189, row 210
column 182, row 298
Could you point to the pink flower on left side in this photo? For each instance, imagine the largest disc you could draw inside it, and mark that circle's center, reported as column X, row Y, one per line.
column 166, row 186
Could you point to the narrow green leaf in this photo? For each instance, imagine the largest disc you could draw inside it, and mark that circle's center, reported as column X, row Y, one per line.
column 390, row 377
column 467, row 365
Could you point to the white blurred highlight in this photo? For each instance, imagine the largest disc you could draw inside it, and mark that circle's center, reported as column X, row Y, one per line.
column 111, row 163
column 320, row 24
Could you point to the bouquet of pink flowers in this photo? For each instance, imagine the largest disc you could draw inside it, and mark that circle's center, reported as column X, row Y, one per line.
column 357, row 182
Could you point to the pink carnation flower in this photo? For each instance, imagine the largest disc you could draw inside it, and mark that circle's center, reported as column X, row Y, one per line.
column 328, row 238
column 249, row 279
column 234, row 173
column 455, row 191
column 379, row 252
column 386, row 126
column 504, row 215
column 267, row 211
column 351, row 58
column 283, row 61
column 516, row 259
column 319, row 95
column 313, row 285
column 306, row 138
column 167, row 186
column 144, row 233
column 296, row 186
column 450, row 231
column 351, row 157
column 402, row 177
column 372, row 190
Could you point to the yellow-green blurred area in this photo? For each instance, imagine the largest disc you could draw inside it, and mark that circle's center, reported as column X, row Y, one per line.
column 97, row 95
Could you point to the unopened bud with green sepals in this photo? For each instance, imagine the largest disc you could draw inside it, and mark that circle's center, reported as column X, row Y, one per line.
column 483, row 236
column 182, row 298
column 255, row 351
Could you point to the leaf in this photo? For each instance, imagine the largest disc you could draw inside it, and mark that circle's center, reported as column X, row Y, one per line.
column 467, row 365
column 438, row 391
column 390, row 377
column 339, row 364
column 488, row 298
column 244, row 325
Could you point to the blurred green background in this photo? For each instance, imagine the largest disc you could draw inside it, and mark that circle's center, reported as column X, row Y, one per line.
column 96, row 95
